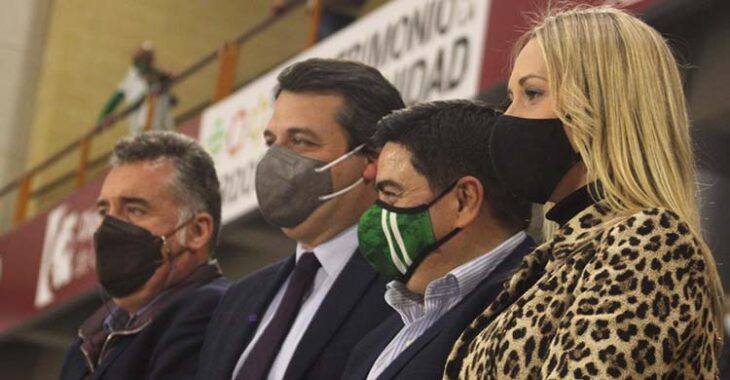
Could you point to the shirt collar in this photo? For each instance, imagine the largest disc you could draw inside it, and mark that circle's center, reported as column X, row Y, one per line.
column 454, row 286
column 334, row 253
column 409, row 305
column 119, row 319
column 472, row 273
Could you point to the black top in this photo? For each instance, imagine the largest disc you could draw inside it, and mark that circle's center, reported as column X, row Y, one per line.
column 571, row 205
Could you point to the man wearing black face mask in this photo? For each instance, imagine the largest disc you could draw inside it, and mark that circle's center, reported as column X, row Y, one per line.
column 160, row 205
column 299, row 318
column 443, row 230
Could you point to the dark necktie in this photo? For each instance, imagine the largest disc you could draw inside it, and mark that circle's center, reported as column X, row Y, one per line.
column 259, row 360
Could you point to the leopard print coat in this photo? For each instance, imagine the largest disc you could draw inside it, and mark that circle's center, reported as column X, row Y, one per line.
column 633, row 303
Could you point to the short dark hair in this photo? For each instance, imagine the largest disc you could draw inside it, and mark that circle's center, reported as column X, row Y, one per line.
column 367, row 95
column 196, row 186
column 448, row 140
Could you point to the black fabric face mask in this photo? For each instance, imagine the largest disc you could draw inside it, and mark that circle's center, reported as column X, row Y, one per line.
column 126, row 255
column 531, row 156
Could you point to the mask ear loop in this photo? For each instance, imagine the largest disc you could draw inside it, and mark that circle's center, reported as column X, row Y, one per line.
column 170, row 256
column 437, row 244
column 429, row 249
column 443, row 193
column 339, row 159
column 340, row 192
column 171, row 261
column 345, row 156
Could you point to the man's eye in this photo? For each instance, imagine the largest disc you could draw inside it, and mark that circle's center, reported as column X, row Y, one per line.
column 387, row 196
column 135, row 211
column 300, row 141
column 101, row 211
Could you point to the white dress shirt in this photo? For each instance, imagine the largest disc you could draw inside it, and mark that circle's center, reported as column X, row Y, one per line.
column 333, row 255
column 421, row 312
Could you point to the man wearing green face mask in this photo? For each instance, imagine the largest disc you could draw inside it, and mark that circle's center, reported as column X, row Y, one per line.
column 443, row 230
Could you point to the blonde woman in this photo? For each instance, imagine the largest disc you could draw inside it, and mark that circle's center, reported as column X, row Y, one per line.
column 626, row 288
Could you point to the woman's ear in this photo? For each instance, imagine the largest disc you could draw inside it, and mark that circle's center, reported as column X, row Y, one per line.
column 470, row 196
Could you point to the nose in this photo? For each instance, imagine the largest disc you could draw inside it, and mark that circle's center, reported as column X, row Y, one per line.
column 117, row 211
column 114, row 212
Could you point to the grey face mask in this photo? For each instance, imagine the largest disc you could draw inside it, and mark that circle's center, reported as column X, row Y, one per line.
column 289, row 186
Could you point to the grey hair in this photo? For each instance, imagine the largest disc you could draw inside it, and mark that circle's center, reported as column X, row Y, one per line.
column 195, row 188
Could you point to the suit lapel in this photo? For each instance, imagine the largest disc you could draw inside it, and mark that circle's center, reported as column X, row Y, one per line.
column 344, row 295
column 405, row 357
column 470, row 305
column 511, row 263
column 116, row 351
column 380, row 338
column 247, row 315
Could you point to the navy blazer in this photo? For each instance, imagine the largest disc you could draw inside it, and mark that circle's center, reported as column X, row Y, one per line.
column 426, row 357
column 167, row 348
column 352, row 308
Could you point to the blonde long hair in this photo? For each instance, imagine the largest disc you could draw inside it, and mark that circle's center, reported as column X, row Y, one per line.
column 617, row 86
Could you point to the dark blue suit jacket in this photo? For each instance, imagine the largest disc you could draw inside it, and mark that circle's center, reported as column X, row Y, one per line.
column 426, row 356
column 167, row 348
column 353, row 307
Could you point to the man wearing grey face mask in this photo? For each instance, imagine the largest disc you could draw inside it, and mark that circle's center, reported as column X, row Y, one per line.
column 300, row 318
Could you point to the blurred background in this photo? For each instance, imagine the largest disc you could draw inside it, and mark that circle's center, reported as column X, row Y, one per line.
column 68, row 92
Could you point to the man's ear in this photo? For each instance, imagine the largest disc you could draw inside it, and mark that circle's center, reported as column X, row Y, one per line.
column 470, row 195
column 200, row 231
column 371, row 168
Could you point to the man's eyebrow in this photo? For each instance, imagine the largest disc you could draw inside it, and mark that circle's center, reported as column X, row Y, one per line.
column 101, row 203
column 530, row 76
column 381, row 185
column 135, row 201
column 302, row 130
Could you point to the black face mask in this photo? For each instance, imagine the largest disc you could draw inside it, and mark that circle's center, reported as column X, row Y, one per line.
column 126, row 256
column 531, row 156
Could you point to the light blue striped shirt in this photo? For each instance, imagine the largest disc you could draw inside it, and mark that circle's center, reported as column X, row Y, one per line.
column 421, row 312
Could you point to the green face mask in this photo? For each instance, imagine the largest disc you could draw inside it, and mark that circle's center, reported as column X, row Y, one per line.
column 394, row 240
